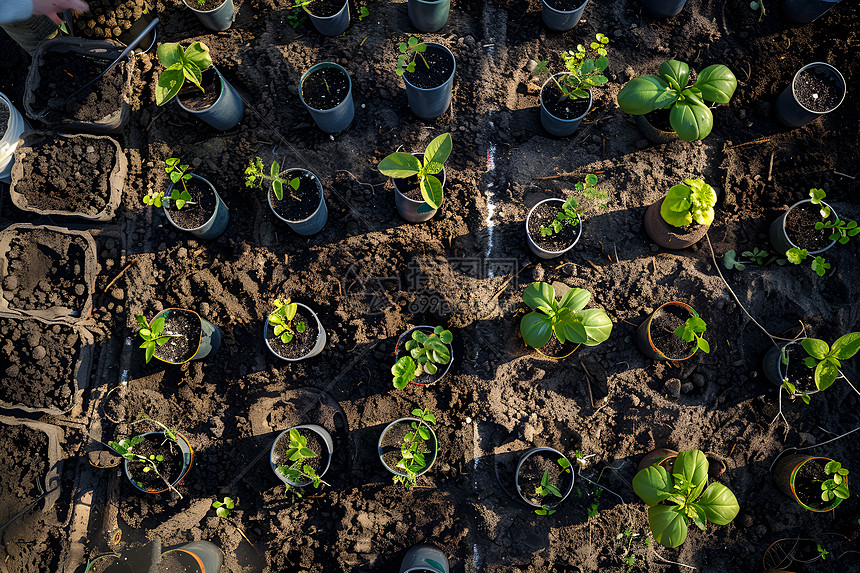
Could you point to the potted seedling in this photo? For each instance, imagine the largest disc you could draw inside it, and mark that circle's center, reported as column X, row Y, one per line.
column 674, row 496
column 155, row 462
column 177, row 335
column 683, row 216
column 543, row 479
column 566, row 98
column 427, row 70
column 208, row 95
column 673, row 108
column 408, row 447
column 301, row 455
column 326, row 92
column 554, row 226
column 298, row 195
column 425, row 350
column 672, row 332
column 808, row 365
column 563, row 321
column 428, row 15
column 809, row 228
column 562, row 15
column 816, row 90
column 293, row 331
column 329, row 17
column 216, row 15
column 418, row 190
column 191, row 202
column 817, row 483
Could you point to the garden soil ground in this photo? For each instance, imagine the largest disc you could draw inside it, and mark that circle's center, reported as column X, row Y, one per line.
column 370, row 276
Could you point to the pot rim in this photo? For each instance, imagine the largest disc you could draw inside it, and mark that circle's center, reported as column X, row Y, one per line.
column 557, row 11
column 183, row 473
column 221, row 93
column 540, row 97
column 686, row 307
column 322, row 66
column 791, row 480
column 271, row 192
column 407, row 419
column 839, row 77
column 192, row 554
column 266, row 330
column 333, row 16
column 199, row 340
column 527, row 455
column 785, row 231
column 193, row 9
column 448, row 79
column 579, row 225
column 166, row 199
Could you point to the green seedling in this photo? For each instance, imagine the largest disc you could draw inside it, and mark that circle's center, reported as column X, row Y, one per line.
column 594, row 508
column 585, row 69
column 691, row 331
column 426, row 351
column 791, row 389
column 413, row 447
column 567, row 320
column 401, row 165
column 822, row 552
column 298, row 470
column 690, row 201
column 178, row 173
column 152, row 334
column 363, row 13
column 837, row 485
column 125, row 448
column 629, row 556
column 255, row 175
column 569, row 213
column 756, row 256
column 222, row 508
column 827, row 360
column 181, row 64
column 282, row 320
column 407, row 53
column 840, row 231
column 758, row 5
column 547, row 487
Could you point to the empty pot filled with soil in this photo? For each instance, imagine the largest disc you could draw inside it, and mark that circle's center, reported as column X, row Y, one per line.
column 816, row 89
column 305, row 343
column 326, row 92
column 530, row 476
column 548, row 246
column 656, row 336
column 319, row 441
column 562, row 15
column 329, row 17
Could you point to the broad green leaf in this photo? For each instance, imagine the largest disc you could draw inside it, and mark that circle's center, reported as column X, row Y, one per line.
column 539, row 294
column 168, row 85
column 431, row 191
column 446, row 336
column 825, row 374
column 693, row 465
column 198, row 54
column 575, row 299
column 640, row 95
column 675, row 209
column 718, row 504
column 193, row 75
column 846, row 346
column 815, row 347
column 278, row 188
column 717, row 83
column 668, row 524
column 597, row 325
column 150, row 351
column 691, row 119
column 653, row 484
column 400, row 165
column 536, row 329
column 676, row 73
column 169, row 54
column 438, row 150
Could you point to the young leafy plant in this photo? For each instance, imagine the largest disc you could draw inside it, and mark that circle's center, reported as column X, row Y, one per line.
column 282, row 320
column 827, row 359
column 182, row 64
column 567, row 320
column 756, row 256
column 840, row 231
column 685, row 497
column 413, row 447
column 569, row 212
column 363, row 13
column 425, row 352
column 152, row 334
column 691, row 331
column 837, row 485
column 547, row 487
column 585, row 69
column 689, row 115
column 405, row 59
column 255, row 174
column 222, row 508
column 125, row 448
column 402, row 165
column 298, row 453
column 692, row 201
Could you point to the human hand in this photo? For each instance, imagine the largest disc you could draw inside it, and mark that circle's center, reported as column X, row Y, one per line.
column 50, row 8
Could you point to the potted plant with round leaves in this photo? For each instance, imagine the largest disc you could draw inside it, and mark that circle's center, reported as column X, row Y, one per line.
column 683, row 216
column 296, row 196
column 680, row 494
column 817, row 483
column 782, row 365
column 566, row 320
column 674, row 331
column 425, row 353
column 419, row 171
column 689, row 116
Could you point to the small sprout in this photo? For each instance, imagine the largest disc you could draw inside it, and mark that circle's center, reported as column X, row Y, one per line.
column 837, row 485
column 691, row 331
column 363, row 13
column 282, row 320
column 405, row 60
column 255, row 174
column 413, row 447
column 152, row 334
column 585, row 69
column 298, row 470
column 548, row 487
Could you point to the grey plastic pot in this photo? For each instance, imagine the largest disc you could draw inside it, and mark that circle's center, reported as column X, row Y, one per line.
column 779, row 237
column 211, row 228
column 412, row 210
column 210, row 336
column 321, row 432
column 338, row 118
column 805, row 11
column 794, row 114
column 317, row 348
column 775, row 371
column 561, row 20
column 429, row 15
column 15, row 126
column 227, row 110
column 556, row 454
column 424, row 557
column 331, row 25
column 207, row 555
column 663, row 8
column 31, row 32
column 542, row 253
column 312, row 224
column 557, row 126
column 432, row 102
column 433, row 443
column 187, row 460
column 220, row 18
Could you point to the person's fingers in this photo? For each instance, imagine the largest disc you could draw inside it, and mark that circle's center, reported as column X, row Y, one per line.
column 78, row 6
column 54, row 18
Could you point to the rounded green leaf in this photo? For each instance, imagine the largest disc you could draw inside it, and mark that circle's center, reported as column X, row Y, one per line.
column 438, row 150
column 400, row 165
column 691, row 119
column 640, row 95
column 719, row 504
column 653, row 484
column 539, row 294
column 575, row 299
column 815, row 347
column 825, row 374
column 693, row 466
column 431, row 191
column 536, row 329
column 668, row 524
column 675, row 209
column 597, row 326
column 169, row 54
column 846, row 346
column 168, row 85
column 676, row 73
column 717, row 83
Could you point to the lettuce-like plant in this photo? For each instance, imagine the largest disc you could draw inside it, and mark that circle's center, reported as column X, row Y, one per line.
column 689, row 115
column 402, row 165
column 837, row 484
column 675, row 498
column 182, row 64
column 567, row 320
column 690, row 201
column 425, row 352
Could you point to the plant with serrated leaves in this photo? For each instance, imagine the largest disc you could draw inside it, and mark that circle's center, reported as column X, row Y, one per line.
column 585, row 69
column 182, row 64
column 837, row 485
column 569, row 213
column 401, row 165
column 825, row 359
column 756, row 256
column 408, row 51
column 178, row 173
column 125, row 449
column 685, row 497
column 426, row 351
column 689, row 115
column 413, row 447
column 153, row 334
column 691, row 331
column 690, row 201
column 297, row 454
column 255, row 174
column 281, row 320
column 567, row 320
column 797, row 255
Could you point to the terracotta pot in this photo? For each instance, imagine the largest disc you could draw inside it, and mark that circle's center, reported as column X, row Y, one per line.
column 668, row 236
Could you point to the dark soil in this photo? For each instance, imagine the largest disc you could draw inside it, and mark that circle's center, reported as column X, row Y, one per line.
column 67, row 174
column 817, row 90
column 560, row 105
column 302, row 342
column 23, row 481
column 325, row 8
column 410, row 187
column 63, row 73
column 207, row 6
column 5, row 115
column 186, row 328
column 531, row 474
column 807, row 483
column 799, row 374
column 326, row 88
column 177, row 562
column 108, row 18
column 37, row 364
column 800, row 228
column 315, row 444
column 394, row 438
column 110, row 566
column 432, row 70
column 196, row 100
column 543, row 216
column 196, row 213
column 46, row 269
column 663, row 326
column 297, row 204
column 659, row 118
column 424, row 379
column 170, row 468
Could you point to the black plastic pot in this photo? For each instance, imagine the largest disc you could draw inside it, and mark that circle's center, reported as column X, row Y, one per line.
column 776, row 372
column 220, row 18
column 412, row 210
column 228, row 109
column 429, row 15
column 561, row 20
column 207, row 557
column 558, row 126
column 643, row 335
column 663, row 8
column 543, row 253
column 338, row 118
column 779, row 237
column 331, row 25
column 317, row 348
column 429, row 458
column 555, row 455
column 805, row 11
column 794, row 114
column 430, row 103
column 424, row 558
column 426, row 329
column 316, row 221
column 324, row 435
